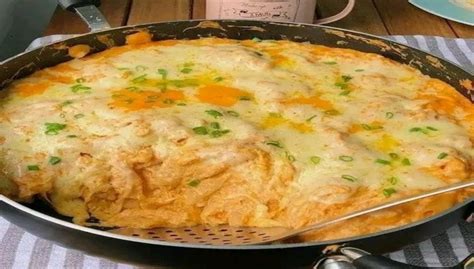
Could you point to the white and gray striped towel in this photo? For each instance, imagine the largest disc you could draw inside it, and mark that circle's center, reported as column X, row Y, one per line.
column 20, row 249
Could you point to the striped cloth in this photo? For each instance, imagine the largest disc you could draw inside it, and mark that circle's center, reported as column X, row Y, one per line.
column 20, row 249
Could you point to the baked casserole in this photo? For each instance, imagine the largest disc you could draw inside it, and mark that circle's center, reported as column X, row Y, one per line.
column 238, row 132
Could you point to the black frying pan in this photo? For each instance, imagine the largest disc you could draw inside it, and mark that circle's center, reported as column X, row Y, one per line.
column 42, row 221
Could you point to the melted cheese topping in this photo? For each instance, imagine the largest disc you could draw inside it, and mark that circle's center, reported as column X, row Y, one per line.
column 218, row 131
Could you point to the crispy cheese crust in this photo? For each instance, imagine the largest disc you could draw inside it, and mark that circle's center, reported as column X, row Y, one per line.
column 246, row 133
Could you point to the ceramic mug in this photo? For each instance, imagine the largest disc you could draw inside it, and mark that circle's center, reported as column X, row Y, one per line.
column 272, row 10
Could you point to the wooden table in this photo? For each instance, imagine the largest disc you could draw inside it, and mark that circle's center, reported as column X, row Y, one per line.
column 380, row 17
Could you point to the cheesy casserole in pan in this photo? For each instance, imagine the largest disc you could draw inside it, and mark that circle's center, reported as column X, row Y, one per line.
column 246, row 133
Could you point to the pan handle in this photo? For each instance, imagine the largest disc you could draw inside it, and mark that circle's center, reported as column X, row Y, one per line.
column 88, row 11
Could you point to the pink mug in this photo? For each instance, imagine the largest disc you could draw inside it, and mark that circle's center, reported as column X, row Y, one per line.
column 271, row 10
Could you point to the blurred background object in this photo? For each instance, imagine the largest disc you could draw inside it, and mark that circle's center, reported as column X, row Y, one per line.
column 21, row 21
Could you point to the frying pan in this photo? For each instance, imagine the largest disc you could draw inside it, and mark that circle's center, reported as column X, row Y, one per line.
column 39, row 219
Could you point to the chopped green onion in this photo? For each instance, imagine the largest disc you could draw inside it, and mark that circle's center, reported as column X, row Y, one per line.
column 388, row 192
column 431, row 128
column 393, row 155
column 442, row 155
column 71, row 136
column 393, row 180
column 186, row 70
column 53, row 128
column 78, row 116
column 80, row 88
column 65, row 103
column 256, row 39
column 232, row 113
column 330, row 63
column 345, row 92
column 132, row 89
column 215, row 125
column 406, row 162
column 194, row 183
column 217, row 79
column 332, row 112
column 218, row 133
column 80, row 80
column 274, row 143
column 418, row 129
column 33, row 167
column 315, row 159
column 53, row 160
column 346, row 78
column 341, row 85
column 346, row 158
column 290, row 157
column 201, row 130
column 389, row 115
column 310, row 118
column 245, row 98
column 214, row 113
column 163, row 73
column 139, row 79
column 181, row 104
column 140, row 68
column 371, row 127
column 359, row 70
column 381, row 161
column 349, row 177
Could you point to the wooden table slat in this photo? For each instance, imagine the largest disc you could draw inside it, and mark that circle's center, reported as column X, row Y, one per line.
column 199, row 9
column 402, row 18
column 364, row 17
column 65, row 22
column 146, row 11
column 462, row 30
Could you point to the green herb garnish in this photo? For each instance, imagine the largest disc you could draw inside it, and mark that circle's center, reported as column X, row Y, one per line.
column 215, row 125
column 186, row 70
column 310, row 118
column 163, row 73
column 382, row 161
column 274, row 143
column 290, row 157
column 216, row 114
column 346, row 78
column 332, row 112
column 217, row 79
column 80, row 88
column 393, row 155
column 315, row 159
column 53, row 128
column 346, row 158
column 33, row 167
column 359, row 70
column 371, row 127
column 200, row 130
column 232, row 113
column 388, row 192
column 139, row 79
column 71, row 136
column 80, row 80
column 256, row 39
column 330, row 63
column 345, row 92
column 349, row 177
column 218, row 133
column 406, row 162
column 245, row 98
column 53, row 160
column 393, row 180
column 389, row 115
column 194, row 183
column 442, row 155
column 78, row 116
column 431, row 128
column 65, row 103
